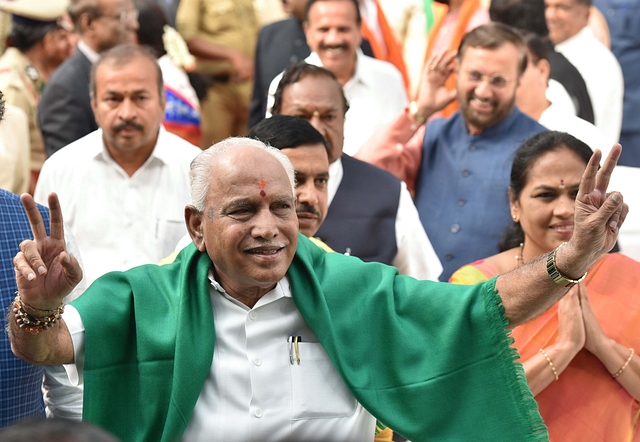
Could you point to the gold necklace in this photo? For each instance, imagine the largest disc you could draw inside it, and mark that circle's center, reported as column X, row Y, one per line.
column 519, row 256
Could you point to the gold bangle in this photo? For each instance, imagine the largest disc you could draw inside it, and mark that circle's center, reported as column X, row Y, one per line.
column 554, row 273
column 553, row 367
column 619, row 372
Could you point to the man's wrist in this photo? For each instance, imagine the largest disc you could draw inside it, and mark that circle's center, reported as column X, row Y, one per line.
column 569, row 263
column 416, row 114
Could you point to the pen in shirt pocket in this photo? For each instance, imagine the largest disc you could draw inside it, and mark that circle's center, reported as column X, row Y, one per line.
column 293, row 349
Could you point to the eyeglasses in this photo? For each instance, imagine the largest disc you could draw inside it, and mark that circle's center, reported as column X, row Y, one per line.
column 495, row 81
column 125, row 17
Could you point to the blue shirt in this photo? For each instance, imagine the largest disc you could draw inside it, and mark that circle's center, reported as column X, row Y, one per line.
column 20, row 382
column 461, row 188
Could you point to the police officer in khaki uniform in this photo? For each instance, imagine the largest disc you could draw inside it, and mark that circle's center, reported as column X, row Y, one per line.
column 222, row 35
column 41, row 38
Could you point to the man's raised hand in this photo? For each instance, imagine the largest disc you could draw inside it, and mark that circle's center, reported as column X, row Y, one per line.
column 45, row 272
column 598, row 214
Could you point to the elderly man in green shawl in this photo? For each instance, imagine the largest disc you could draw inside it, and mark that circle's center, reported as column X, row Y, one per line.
column 254, row 333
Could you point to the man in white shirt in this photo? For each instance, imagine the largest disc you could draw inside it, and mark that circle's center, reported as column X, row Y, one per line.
column 198, row 350
column 533, row 99
column 371, row 213
column 567, row 21
column 374, row 88
column 125, row 185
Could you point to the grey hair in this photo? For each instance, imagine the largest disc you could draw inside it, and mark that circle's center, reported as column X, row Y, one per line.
column 200, row 171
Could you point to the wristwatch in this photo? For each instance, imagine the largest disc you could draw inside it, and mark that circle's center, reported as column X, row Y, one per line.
column 555, row 274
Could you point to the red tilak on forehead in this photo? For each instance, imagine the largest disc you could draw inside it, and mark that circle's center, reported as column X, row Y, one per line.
column 561, row 184
column 261, row 185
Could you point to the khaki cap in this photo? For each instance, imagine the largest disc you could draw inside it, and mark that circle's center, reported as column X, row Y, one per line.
column 38, row 10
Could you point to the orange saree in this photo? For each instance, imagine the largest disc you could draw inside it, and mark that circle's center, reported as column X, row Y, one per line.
column 586, row 403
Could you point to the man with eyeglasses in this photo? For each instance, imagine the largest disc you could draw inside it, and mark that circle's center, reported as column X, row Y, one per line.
column 459, row 167
column 65, row 113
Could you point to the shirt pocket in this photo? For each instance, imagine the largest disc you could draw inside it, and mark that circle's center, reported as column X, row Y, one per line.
column 318, row 390
column 220, row 16
column 166, row 235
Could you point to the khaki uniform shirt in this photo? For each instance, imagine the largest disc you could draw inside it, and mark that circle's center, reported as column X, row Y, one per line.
column 22, row 91
column 229, row 23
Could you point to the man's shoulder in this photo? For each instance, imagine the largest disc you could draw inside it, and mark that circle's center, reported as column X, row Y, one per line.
column 379, row 67
column 377, row 175
column 80, row 151
column 171, row 145
column 11, row 209
column 70, row 71
column 525, row 122
column 280, row 27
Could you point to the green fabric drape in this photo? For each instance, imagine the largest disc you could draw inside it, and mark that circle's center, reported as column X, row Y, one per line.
column 431, row 360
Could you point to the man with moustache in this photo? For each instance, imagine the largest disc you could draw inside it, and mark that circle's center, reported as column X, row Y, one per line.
column 461, row 165
column 307, row 150
column 374, row 88
column 123, row 186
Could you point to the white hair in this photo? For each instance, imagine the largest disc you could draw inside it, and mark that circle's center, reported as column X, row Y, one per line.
column 200, row 172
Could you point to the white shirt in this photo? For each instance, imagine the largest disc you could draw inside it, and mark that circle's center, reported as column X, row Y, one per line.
column 253, row 392
column 602, row 75
column 375, row 94
column 555, row 118
column 119, row 221
column 558, row 95
column 415, row 256
column 627, row 181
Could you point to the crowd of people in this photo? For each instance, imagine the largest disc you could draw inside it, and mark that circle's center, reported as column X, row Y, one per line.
column 320, row 220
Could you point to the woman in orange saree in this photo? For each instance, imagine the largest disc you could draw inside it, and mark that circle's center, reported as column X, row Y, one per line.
column 579, row 356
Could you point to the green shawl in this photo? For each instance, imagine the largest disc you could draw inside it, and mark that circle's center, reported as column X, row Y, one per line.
column 431, row 360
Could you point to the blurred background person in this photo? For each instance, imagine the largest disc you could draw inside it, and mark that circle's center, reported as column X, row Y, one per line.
column 568, row 24
column 533, row 99
column 15, row 154
column 182, row 108
column 58, row 430
column 222, row 35
column 623, row 19
column 64, row 112
column 579, row 355
column 41, row 38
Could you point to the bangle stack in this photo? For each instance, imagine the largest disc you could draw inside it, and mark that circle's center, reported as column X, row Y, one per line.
column 31, row 324
column 553, row 367
column 625, row 365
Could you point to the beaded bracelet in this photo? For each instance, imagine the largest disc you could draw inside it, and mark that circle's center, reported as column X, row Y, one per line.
column 35, row 325
column 553, row 367
column 619, row 372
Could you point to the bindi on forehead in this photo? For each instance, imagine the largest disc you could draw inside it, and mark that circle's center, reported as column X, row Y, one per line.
column 262, row 185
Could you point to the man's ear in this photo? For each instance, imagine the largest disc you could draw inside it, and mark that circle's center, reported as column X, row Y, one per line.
column 193, row 219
